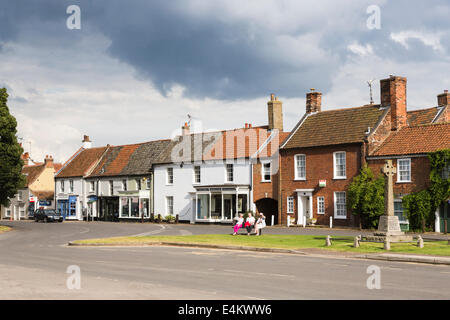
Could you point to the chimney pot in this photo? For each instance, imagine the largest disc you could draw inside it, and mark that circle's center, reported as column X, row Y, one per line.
column 87, row 143
column 185, row 130
column 48, row 161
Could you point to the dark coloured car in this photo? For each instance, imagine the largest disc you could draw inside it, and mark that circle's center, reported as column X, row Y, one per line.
column 47, row 215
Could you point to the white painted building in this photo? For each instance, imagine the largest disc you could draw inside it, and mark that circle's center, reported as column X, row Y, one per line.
column 212, row 184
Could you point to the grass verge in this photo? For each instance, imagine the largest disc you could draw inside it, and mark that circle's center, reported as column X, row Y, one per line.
column 4, row 229
column 343, row 244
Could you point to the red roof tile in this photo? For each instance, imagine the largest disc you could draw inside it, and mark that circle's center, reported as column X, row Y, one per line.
column 81, row 162
column 416, row 140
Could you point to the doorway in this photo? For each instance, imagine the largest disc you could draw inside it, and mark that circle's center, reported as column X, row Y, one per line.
column 304, row 206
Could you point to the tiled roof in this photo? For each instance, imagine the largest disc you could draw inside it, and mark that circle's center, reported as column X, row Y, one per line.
column 57, row 166
column 333, row 127
column 416, row 140
column 219, row 145
column 273, row 145
column 135, row 159
column 422, row 116
column 32, row 172
column 44, row 195
column 81, row 162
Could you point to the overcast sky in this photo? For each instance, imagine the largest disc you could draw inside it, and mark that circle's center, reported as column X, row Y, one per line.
column 135, row 69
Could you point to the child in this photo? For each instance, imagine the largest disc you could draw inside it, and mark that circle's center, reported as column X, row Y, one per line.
column 238, row 224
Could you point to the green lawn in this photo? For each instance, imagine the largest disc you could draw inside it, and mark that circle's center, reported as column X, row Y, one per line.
column 440, row 248
column 4, row 229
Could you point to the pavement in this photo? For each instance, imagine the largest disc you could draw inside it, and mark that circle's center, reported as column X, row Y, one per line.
column 34, row 260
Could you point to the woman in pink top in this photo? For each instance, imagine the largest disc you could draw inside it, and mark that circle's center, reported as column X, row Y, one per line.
column 238, row 224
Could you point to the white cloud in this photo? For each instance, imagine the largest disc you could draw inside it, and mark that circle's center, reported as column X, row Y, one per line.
column 360, row 50
column 429, row 39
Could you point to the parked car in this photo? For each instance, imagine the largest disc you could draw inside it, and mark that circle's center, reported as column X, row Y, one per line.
column 47, row 215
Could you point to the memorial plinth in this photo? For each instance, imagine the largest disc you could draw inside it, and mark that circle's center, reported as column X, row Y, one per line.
column 388, row 225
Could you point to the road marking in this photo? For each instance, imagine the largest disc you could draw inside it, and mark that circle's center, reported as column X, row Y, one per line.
column 150, row 232
column 260, row 273
column 337, row 264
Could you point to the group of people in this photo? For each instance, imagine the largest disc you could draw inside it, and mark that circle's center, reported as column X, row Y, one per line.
column 250, row 223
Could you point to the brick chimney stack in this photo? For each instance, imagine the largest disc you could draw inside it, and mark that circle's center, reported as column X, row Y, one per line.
column 87, row 143
column 313, row 101
column 393, row 94
column 443, row 99
column 275, row 113
column 185, row 130
column 444, row 102
column 48, row 161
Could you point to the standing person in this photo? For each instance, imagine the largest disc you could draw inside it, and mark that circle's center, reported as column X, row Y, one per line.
column 260, row 223
column 250, row 223
column 238, row 224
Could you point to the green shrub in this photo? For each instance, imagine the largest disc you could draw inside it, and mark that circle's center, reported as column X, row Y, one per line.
column 366, row 197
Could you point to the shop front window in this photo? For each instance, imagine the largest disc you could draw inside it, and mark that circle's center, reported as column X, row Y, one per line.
column 135, row 207
column 203, row 206
column 125, row 207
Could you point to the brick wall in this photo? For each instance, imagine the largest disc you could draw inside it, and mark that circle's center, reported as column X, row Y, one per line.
column 319, row 166
column 420, row 175
column 262, row 189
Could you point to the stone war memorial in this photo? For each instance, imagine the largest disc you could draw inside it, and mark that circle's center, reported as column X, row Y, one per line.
column 389, row 225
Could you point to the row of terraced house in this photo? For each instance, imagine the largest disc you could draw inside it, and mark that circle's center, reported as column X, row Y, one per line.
column 301, row 176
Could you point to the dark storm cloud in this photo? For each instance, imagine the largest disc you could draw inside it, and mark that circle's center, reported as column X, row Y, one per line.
column 213, row 54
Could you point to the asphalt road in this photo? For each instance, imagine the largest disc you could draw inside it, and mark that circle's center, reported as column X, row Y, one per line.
column 34, row 259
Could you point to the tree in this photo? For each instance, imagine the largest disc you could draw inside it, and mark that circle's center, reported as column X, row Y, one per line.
column 366, row 197
column 11, row 178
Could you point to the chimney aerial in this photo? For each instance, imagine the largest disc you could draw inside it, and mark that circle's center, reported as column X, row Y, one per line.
column 313, row 101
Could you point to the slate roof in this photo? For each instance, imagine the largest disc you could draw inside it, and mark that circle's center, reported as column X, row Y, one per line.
column 81, row 162
column 332, row 127
column 416, row 140
column 127, row 160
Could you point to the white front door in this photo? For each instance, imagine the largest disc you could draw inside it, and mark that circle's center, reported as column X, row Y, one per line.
column 304, row 206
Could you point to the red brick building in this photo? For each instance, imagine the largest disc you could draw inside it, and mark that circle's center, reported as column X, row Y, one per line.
column 266, row 162
column 326, row 150
column 408, row 149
